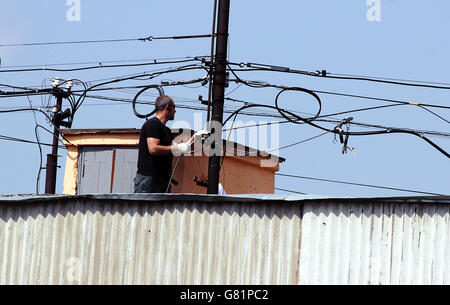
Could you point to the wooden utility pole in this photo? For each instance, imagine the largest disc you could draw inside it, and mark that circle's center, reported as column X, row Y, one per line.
column 52, row 159
column 220, row 65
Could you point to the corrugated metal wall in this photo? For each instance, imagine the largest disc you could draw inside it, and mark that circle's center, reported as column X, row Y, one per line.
column 375, row 243
column 91, row 241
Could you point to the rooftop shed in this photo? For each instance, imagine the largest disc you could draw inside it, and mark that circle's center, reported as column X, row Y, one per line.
column 105, row 161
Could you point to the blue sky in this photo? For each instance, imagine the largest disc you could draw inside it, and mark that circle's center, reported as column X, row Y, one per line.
column 409, row 42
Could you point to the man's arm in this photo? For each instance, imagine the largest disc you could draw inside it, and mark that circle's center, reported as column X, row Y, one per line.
column 155, row 149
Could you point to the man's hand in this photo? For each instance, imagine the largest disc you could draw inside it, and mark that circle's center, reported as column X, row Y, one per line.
column 183, row 147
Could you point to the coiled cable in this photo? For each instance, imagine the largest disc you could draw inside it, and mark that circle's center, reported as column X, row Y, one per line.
column 145, row 116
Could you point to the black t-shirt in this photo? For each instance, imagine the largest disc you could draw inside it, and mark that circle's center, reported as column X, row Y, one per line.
column 149, row 165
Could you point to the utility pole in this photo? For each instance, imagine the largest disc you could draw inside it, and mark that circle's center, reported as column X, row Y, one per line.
column 220, row 65
column 58, row 117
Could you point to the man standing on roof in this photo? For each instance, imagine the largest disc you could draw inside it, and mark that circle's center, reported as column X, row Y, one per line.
column 155, row 150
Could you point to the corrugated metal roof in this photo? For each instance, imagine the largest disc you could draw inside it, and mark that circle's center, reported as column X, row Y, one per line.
column 225, row 198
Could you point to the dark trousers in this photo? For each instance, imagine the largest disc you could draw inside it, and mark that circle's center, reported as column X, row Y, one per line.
column 150, row 184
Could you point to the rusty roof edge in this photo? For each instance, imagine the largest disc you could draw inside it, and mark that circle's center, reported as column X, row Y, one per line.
column 245, row 198
column 99, row 131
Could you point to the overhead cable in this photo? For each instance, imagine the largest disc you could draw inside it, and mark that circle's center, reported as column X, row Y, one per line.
column 269, row 115
column 149, row 38
column 358, row 184
column 325, row 74
column 98, row 65
column 289, row 191
column 34, row 110
column 296, row 119
column 14, row 139
column 150, row 76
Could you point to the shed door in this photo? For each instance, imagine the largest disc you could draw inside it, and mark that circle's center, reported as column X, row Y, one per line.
column 125, row 169
column 105, row 169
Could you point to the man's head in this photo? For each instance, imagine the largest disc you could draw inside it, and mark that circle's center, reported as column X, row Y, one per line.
column 165, row 107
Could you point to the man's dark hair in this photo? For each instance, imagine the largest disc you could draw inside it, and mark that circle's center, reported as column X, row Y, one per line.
column 162, row 101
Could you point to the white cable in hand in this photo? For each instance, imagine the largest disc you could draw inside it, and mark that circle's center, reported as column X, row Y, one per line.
column 199, row 134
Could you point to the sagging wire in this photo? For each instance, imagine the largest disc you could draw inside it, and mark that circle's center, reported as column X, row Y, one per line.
column 39, row 146
column 82, row 97
column 276, row 150
column 286, row 69
column 270, row 115
column 426, row 132
column 160, row 90
column 348, row 133
column 296, row 119
column 45, row 114
column 234, row 114
column 161, row 93
column 357, row 184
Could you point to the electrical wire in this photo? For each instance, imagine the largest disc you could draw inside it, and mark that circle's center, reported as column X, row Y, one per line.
column 149, row 38
column 161, row 93
column 347, row 133
column 257, row 84
column 359, row 110
column 259, row 105
column 363, row 125
column 202, row 108
column 300, row 142
column 288, row 115
column 387, row 78
column 434, row 113
column 241, row 153
column 284, row 88
column 358, row 184
column 98, row 65
column 15, row 139
column 173, row 173
column 97, row 62
column 244, row 113
column 44, row 113
column 381, row 99
column 82, row 97
column 325, row 74
column 296, row 119
column 39, row 146
column 295, row 192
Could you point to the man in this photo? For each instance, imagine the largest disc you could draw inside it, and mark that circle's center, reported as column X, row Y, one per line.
column 155, row 150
